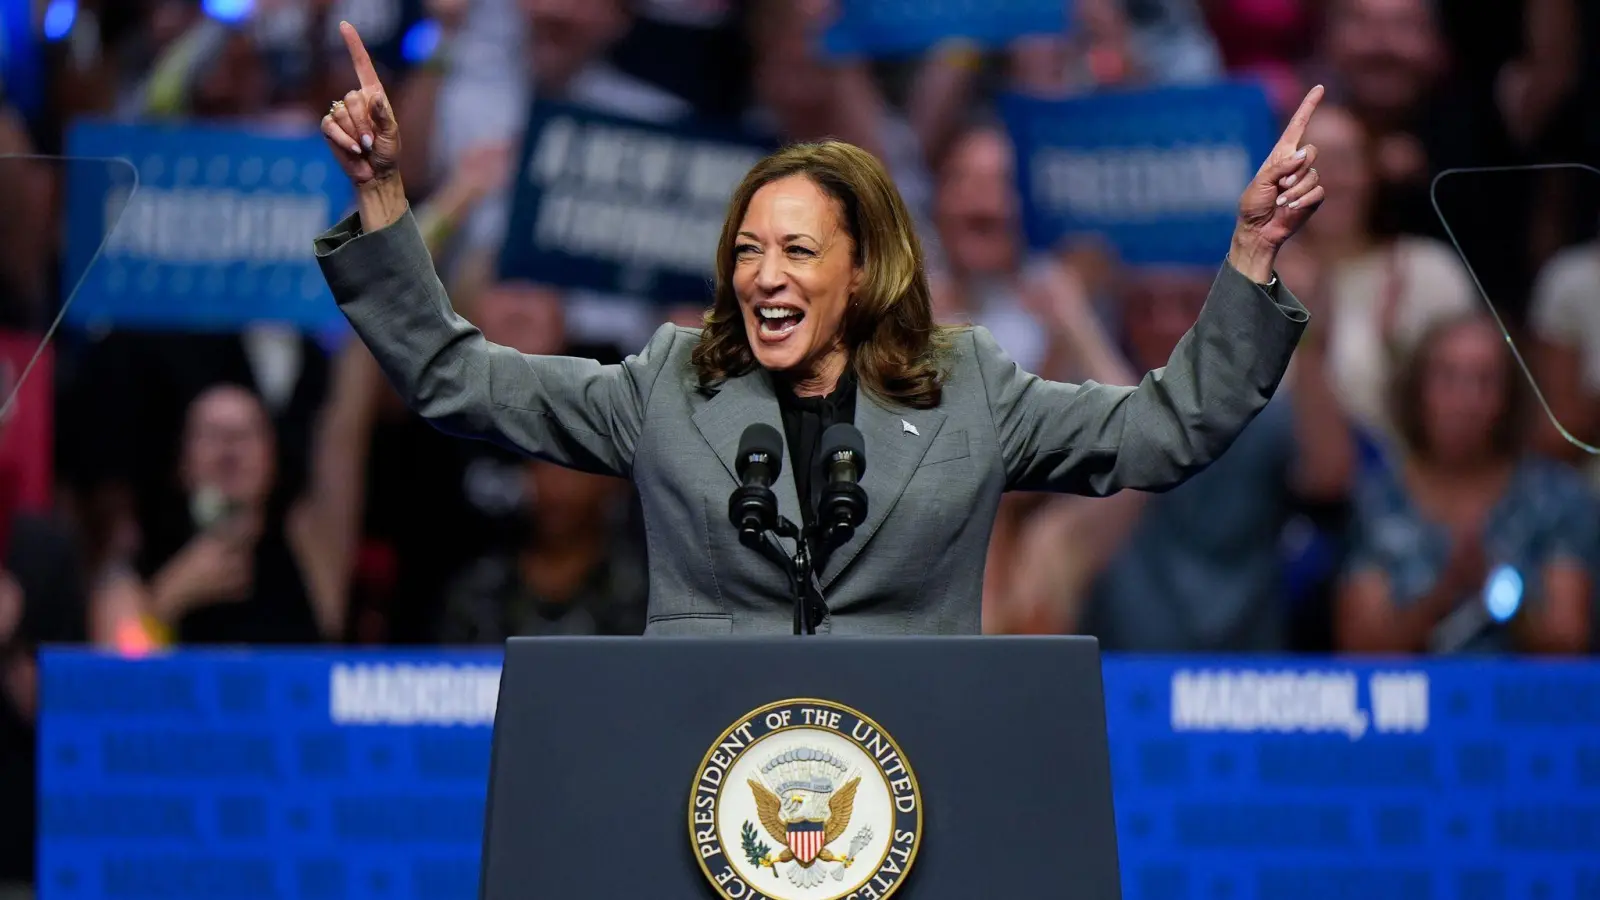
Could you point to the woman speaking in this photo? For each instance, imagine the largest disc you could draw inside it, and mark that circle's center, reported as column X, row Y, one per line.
column 821, row 315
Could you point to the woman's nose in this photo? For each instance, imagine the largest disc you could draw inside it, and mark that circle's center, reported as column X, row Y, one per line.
column 770, row 277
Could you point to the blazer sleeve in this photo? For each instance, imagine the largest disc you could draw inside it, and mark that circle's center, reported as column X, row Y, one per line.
column 572, row 412
column 1097, row 439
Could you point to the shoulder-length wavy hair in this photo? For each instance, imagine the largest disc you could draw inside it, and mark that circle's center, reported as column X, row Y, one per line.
column 896, row 350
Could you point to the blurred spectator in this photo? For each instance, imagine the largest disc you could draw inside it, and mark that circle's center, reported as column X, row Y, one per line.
column 1380, row 290
column 1466, row 501
column 579, row 570
column 1429, row 109
column 123, row 409
column 1565, row 318
column 1201, row 570
column 978, row 216
column 256, row 563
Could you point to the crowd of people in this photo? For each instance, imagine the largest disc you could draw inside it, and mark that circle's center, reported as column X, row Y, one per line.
column 259, row 487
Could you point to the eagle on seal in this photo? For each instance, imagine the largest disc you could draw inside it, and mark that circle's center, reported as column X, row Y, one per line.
column 804, row 838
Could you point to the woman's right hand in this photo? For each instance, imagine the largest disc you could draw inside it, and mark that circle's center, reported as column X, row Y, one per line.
column 213, row 567
column 361, row 129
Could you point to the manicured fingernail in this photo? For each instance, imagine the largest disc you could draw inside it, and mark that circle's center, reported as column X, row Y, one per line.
column 1294, row 205
column 366, row 141
column 1300, row 154
column 1282, row 199
column 1289, row 182
column 354, row 149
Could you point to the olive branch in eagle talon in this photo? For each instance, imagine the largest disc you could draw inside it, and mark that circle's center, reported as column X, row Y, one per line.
column 754, row 848
column 769, row 809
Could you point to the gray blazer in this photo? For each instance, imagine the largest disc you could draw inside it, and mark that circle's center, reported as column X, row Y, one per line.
column 934, row 477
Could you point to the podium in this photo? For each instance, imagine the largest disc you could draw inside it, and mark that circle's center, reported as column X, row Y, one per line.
column 800, row 768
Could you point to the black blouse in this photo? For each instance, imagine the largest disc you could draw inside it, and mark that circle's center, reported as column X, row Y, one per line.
column 804, row 421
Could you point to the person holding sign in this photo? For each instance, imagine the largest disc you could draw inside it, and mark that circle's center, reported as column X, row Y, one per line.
column 820, row 316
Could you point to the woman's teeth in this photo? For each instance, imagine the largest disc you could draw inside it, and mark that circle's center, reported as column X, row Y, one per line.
column 777, row 320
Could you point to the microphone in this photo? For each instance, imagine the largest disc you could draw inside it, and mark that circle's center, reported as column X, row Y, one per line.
column 753, row 509
column 844, row 503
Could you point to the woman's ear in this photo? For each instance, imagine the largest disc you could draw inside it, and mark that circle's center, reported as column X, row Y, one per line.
column 858, row 278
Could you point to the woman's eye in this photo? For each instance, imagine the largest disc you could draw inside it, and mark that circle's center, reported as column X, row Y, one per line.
column 802, row 251
column 744, row 250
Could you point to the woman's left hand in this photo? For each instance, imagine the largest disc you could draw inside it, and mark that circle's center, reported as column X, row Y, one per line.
column 1285, row 192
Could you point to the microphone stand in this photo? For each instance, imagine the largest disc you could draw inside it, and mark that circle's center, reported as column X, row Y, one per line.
column 798, row 568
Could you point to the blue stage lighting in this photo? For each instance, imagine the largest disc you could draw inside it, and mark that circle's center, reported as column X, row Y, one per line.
column 58, row 19
column 1502, row 594
column 420, row 42
column 229, row 10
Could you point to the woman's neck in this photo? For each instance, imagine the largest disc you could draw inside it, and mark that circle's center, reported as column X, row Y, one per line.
column 823, row 377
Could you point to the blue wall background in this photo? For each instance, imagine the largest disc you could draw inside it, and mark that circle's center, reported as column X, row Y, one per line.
column 310, row 775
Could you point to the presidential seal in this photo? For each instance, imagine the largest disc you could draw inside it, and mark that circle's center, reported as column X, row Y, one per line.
column 805, row 800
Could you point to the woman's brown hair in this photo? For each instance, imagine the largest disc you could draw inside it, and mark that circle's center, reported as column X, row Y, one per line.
column 896, row 350
column 1506, row 433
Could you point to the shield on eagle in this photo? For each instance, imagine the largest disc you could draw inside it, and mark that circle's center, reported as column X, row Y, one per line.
column 806, row 840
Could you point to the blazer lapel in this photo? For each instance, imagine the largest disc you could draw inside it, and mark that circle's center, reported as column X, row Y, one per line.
column 896, row 438
column 738, row 404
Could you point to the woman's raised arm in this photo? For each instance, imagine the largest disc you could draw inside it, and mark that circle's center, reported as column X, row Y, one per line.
column 572, row 412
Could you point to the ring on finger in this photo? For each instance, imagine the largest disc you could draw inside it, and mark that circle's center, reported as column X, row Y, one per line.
column 337, row 105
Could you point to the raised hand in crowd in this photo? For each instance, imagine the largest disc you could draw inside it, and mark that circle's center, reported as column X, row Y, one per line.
column 483, row 170
column 1058, row 297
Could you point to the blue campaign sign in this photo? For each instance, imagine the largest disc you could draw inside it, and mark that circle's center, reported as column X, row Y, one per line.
column 899, row 27
column 1157, row 173
column 217, row 235
column 622, row 206
column 310, row 775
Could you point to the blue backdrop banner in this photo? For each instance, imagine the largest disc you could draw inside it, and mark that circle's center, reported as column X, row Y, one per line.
column 898, row 27
column 622, row 206
column 314, row 775
column 1157, row 173
column 218, row 234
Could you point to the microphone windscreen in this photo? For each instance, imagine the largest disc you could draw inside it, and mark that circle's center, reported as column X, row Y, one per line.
column 845, row 436
column 764, row 439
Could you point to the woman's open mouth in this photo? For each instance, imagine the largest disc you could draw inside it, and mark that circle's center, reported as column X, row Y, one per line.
column 778, row 322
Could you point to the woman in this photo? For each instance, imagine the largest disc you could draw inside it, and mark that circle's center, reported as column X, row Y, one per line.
column 1465, row 504
column 821, row 314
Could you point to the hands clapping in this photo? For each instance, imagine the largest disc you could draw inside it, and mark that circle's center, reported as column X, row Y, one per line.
column 361, row 128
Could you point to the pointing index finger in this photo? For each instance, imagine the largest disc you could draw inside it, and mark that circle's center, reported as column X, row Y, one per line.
column 359, row 58
column 1296, row 131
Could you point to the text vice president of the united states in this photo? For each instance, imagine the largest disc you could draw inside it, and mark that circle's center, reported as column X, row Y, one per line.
column 821, row 314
